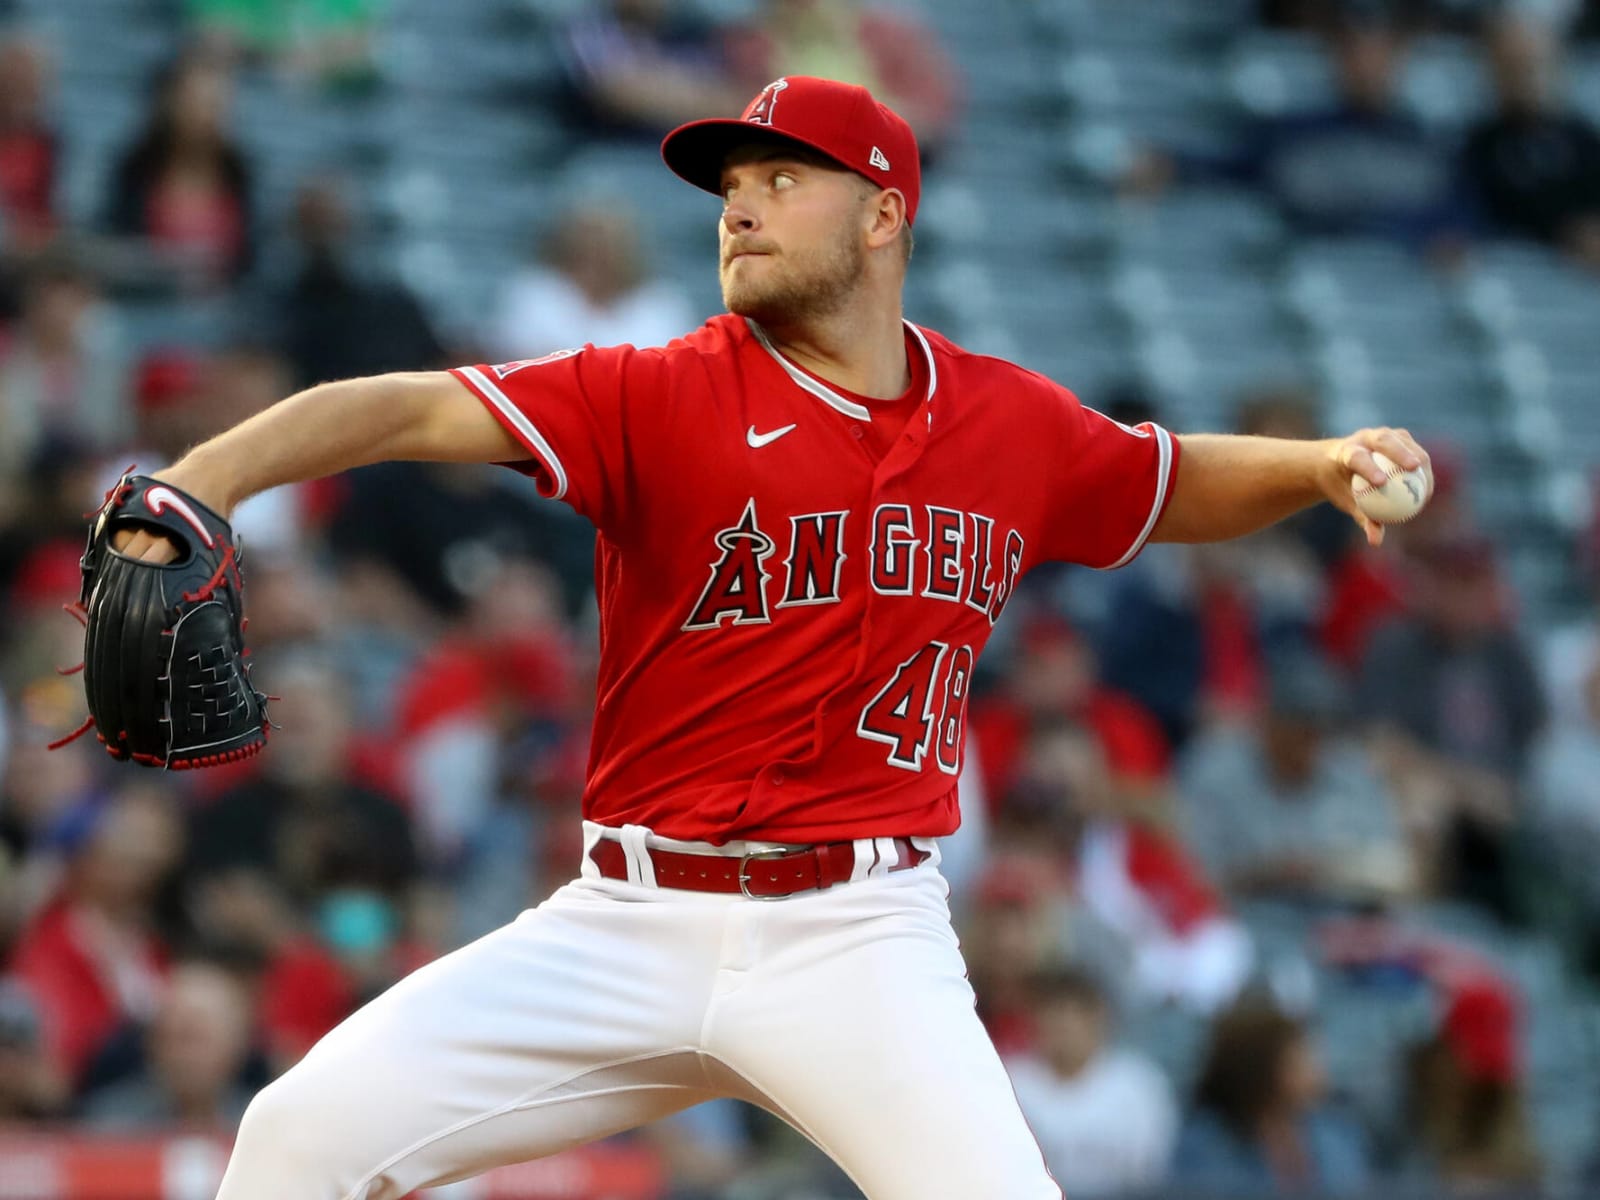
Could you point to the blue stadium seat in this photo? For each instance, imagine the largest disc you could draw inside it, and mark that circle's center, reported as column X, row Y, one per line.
column 1445, row 83
column 1276, row 73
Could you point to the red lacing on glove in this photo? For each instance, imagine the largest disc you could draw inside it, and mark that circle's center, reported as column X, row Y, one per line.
column 216, row 760
column 88, row 724
column 115, row 494
column 204, row 591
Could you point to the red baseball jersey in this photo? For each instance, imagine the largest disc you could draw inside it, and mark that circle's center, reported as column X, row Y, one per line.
column 791, row 608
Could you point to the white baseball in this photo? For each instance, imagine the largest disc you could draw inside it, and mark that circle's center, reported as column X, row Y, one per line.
column 1403, row 495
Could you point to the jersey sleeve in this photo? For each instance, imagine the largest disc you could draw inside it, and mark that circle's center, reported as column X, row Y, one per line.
column 573, row 412
column 1106, row 485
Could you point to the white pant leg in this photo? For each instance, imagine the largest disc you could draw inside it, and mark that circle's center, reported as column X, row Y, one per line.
column 858, row 1024
column 577, row 1020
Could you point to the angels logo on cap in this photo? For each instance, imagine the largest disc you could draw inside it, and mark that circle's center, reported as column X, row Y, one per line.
column 839, row 120
column 760, row 110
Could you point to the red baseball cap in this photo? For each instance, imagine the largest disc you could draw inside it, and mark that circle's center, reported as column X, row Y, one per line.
column 839, row 120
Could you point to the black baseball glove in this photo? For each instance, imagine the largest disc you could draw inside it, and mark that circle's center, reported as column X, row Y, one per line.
column 165, row 668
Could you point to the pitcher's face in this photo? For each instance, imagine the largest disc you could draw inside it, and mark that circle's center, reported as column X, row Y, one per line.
column 791, row 234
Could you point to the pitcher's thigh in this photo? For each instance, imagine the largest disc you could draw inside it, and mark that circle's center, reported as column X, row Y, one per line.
column 875, row 1052
column 519, row 1045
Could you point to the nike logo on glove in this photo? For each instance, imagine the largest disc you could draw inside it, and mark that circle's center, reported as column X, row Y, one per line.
column 757, row 440
column 159, row 499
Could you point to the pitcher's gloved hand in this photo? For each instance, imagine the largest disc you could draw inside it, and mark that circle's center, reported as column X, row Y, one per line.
column 165, row 668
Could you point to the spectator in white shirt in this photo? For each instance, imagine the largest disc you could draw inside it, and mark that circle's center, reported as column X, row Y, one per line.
column 1106, row 1118
column 592, row 286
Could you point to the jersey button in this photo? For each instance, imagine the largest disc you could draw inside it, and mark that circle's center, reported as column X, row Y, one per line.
column 778, row 778
column 857, row 432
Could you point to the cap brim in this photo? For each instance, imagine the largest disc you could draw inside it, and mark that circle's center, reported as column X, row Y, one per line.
column 697, row 151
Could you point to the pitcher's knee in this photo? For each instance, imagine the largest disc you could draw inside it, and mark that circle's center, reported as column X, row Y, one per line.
column 293, row 1122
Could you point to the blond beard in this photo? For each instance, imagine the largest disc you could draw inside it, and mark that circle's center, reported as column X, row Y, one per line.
column 800, row 291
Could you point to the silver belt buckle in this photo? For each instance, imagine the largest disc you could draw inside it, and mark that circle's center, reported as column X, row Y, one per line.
column 744, row 870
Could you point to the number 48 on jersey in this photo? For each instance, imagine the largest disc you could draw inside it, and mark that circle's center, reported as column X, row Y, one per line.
column 924, row 704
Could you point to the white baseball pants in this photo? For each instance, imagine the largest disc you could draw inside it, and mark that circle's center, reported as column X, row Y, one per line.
column 846, row 1012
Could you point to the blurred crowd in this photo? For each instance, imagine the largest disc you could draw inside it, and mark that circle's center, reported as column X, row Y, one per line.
column 1166, row 765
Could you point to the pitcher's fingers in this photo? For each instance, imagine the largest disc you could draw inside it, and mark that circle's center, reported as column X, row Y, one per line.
column 160, row 550
column 1358, row 460
column 1400, row 449
column 1371, row 528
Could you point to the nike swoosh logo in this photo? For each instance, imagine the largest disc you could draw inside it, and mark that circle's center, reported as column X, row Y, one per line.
column 159, row 499
column 757, row 440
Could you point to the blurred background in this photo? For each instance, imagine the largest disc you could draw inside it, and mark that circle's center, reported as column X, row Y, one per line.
column 1277, row 873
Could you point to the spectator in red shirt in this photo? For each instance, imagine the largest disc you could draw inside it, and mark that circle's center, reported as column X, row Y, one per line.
column 1466, row 1099
column 195, row 1050
column 184, row 185
column 94, row 957
column 1053, row 679
column 28, row 149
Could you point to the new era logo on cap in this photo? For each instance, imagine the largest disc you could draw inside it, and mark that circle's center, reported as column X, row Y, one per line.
column 840, row 120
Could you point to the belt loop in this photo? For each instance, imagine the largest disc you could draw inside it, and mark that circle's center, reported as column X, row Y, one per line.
column 866, row 856
column 888, row 855
column 640, row 869
column 591, row 838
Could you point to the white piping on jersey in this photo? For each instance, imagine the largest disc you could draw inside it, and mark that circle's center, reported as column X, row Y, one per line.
column 826, row 394
column 1163, row 481
column 933, row 371
column 519, row 421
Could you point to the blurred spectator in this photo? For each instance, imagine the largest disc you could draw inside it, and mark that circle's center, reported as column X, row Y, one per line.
column 1291, row 808
column 308, row 867
column 642, row 67
column 1455, row 740
column 1152, row 646
column 62, row 378
column 195, row 1050
column 184, row 186
column 1566, row 806
column 1465, row 1101
column 329, row 40
column 168, row 405
column 40, row 790
column 1567, row 766
column 1142, row 909
column 1260, row 1125
column 32, row 1088
column 1053, row 678
column 438, row 532
column 1536, row 163
column 1105, row 1117
column 1362, row 167
column 1015, row 927
column 593, row 286
column 495, row 692
column 95, row 956
column 29, row 150
column 337, row 322
column 1180, row 943
column 1365, row 166
column 303, row 821
column 1285, row 564
column 888, row 51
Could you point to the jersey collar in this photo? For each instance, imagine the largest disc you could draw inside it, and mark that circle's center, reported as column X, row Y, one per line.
column 825, row 393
